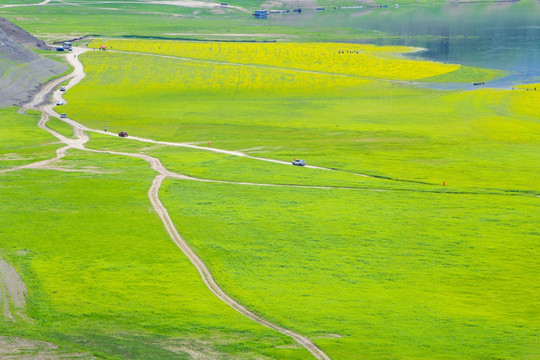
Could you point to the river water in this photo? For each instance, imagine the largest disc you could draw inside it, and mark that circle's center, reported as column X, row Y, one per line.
column 498, row 35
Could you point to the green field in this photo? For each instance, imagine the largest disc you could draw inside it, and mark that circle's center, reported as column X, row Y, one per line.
column 22, row 141
column 104, row 278
column 415, row 239
column 439, row 278
column 439, row 134
column 419, row 270
column 57, row 22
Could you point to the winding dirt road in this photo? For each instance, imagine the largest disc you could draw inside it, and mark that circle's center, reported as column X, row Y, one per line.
column 81, row 138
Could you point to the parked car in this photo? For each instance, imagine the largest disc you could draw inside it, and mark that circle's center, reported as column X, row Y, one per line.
column 123, row 134
column 62, row 88
column 299, row 163
column 59, row 102
column 63, row 115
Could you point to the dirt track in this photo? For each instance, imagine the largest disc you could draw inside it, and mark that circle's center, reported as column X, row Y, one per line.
column 12, row 294
column 78, row 143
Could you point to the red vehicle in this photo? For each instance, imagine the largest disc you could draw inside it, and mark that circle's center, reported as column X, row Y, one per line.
column 123, row 134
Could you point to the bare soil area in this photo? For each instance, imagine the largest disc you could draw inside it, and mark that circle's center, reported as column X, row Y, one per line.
column 22, row 71
column 15, row 348
column 22, row 36
column 12, row 292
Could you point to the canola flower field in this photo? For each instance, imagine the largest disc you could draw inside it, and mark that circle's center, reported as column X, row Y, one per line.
column 367, row 61
column 283, row 113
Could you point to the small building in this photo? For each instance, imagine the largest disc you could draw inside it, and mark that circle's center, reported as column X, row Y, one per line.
column 261, row 13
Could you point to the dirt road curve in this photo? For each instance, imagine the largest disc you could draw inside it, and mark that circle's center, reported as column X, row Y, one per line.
column 79, row 143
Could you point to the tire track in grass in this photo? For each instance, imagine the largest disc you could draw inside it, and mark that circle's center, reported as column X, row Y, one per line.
column 153, row 194
column 271, row 67
column 12, row 293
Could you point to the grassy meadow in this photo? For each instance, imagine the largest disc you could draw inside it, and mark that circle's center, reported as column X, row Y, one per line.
column 104, row 278
column 466, row 139
column 441, row 277
column 420, row 270
column 22, row 142
column 429, row 256
column 58, row 21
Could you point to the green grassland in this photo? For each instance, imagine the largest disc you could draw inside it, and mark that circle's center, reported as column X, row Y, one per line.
column 60, row 126
column 58, row 23
column 418, row 271
column 22, row 142
column 59, row 20
column 439, row 278
column 467, row 139
column 104, row 277
column 207, row 165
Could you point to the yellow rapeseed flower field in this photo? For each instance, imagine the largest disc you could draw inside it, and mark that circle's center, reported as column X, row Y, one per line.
column 526, row 100
column 361, row 60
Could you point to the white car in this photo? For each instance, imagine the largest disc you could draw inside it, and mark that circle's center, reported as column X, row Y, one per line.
column 59, row 102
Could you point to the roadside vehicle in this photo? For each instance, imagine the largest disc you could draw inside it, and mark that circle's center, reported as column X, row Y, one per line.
column 62, row 88
column 123, row 134
column 59, row 102
column 63, row 115
column 299, row 163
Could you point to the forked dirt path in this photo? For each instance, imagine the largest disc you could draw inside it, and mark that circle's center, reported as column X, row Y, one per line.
column 153, row 193
column 216, row 150
column 38, row 102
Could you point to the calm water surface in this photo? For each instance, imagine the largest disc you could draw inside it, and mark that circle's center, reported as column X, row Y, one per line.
column 504, row 35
